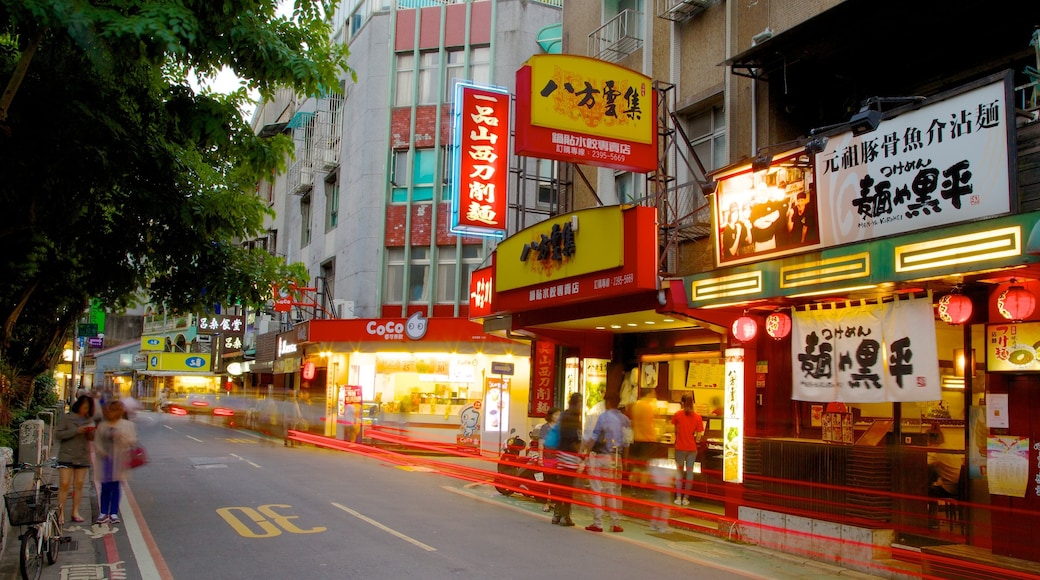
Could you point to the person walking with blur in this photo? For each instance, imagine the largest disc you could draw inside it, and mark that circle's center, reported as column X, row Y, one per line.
column 74, row 432
column 548, row 456
column 607, row 445
column 568, row 460
column 112, row 443
column 689, row 429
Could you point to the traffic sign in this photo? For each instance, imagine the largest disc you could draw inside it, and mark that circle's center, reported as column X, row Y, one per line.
column 501, row 368
column 87, row 329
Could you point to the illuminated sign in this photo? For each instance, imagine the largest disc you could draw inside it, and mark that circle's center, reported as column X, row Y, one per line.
column 550, row 251
column 481, row 292
column 285, row 347
column 178, row 361
column 222, row 324
column 480, row 161
column 583, row 110
column 733, row 413
column 396, row 330
column 942, row 163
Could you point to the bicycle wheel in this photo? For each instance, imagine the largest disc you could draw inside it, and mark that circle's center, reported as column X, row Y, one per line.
column 53, row 538
column 31, row 558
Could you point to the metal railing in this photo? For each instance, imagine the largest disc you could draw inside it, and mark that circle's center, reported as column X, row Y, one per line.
column 618, row 38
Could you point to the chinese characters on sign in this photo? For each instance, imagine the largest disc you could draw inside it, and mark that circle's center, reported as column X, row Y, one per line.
column 543, row 378
column 944, row 163
column 1012, row 347
column 837, row 354
column 580, row 109
column 481, row 292
column 479, row 161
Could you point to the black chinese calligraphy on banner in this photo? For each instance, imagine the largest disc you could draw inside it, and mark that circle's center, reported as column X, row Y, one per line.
column 866, row 354
column 944, row 163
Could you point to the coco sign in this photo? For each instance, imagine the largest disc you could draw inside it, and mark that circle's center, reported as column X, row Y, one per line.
column 414, row 328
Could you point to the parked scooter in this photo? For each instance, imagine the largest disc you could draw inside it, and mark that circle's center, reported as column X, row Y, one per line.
column 519, row 460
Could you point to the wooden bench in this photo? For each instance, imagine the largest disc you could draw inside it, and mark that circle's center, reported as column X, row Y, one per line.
column 958, row 561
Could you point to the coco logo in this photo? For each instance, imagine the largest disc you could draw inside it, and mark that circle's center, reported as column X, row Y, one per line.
column 195, row 362
column 415, row 327
column 152, row 341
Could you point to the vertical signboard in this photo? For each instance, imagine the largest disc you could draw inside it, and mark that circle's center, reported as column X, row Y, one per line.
column 544, row 377
column 733, row 432
column 480, row 161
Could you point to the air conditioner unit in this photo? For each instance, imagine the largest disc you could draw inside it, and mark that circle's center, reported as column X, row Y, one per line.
column 343, row 308
column 330, row 158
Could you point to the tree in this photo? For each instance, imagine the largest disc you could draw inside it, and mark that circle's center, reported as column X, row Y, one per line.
column 117, row 176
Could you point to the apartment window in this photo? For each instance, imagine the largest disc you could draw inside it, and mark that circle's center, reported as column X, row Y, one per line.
column 305, row 220
column 454, row 68
column 394, row 291
column 429, row 66
column 707, row 133
column 545, row 170
column 422, row 177
column 405, row 79
column 625, row 186
column 331, row 205
column 328, row 274
column 418, row 275
column 448, row 266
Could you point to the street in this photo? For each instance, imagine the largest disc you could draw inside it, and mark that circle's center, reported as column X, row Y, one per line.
column 222, row 503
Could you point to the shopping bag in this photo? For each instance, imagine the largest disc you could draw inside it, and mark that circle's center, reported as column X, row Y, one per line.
column 137, row 457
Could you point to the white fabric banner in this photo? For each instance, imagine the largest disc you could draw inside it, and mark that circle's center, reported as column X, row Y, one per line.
column 866, row 354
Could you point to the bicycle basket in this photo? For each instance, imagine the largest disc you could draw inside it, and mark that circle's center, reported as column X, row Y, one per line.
column 27, row 507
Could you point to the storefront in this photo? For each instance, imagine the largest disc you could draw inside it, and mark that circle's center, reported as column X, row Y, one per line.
column 585, row 287
column 887, row 334
column 437, row 382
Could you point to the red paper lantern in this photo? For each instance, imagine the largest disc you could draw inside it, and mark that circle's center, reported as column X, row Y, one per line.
column 778, row 325
column 1016, row 303
column 745, row 328
column 954, row 308
column 308, row 371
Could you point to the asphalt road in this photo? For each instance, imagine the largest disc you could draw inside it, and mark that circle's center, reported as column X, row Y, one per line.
column 222, row 503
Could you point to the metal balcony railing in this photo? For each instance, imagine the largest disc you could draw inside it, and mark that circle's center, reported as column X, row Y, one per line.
column 618, row 38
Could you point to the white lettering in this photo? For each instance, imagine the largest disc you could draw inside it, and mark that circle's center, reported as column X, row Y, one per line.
column 285, row 347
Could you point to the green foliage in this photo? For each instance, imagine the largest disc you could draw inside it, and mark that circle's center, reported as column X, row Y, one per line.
column 118, row 176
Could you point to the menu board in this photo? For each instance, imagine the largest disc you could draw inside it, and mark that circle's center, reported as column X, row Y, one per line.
column 709, row 373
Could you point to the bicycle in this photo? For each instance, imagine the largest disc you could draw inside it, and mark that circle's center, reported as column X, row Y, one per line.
column 36, row 510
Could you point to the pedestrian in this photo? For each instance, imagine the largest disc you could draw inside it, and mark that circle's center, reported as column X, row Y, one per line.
column 75, row 431
column 548, row 458
column 112, row 443
column 568, row 460
column 689, row 429
column 292, row 418
column 607, row 446
column 645, row 445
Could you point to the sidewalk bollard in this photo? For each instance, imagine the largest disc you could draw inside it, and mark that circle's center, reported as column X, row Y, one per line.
column 30, row 441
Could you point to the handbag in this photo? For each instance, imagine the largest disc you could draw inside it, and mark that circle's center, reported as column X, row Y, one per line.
column 138, row 457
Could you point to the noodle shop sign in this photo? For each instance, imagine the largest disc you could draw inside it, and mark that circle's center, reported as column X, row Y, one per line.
column 1013, row 347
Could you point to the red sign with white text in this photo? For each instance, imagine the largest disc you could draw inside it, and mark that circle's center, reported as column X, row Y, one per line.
column 482, row 292
column 480, row 161
column 543, row 378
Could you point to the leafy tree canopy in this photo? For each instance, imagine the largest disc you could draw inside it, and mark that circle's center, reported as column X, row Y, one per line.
column 117, row 175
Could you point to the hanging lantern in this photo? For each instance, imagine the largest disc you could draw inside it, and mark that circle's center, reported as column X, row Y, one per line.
column 745, row 328
column 954, row 308
column 1016, row 303
column 308, row 371
column 778, row 325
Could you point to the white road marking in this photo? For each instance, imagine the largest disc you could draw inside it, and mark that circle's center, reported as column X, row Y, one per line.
column 246, row 460
column 390, row 531
column 145, row 562
column 168, row 427
column 193, row 438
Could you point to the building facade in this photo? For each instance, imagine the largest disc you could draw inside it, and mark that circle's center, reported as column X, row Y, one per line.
column 365, row 206
column 769, row 110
